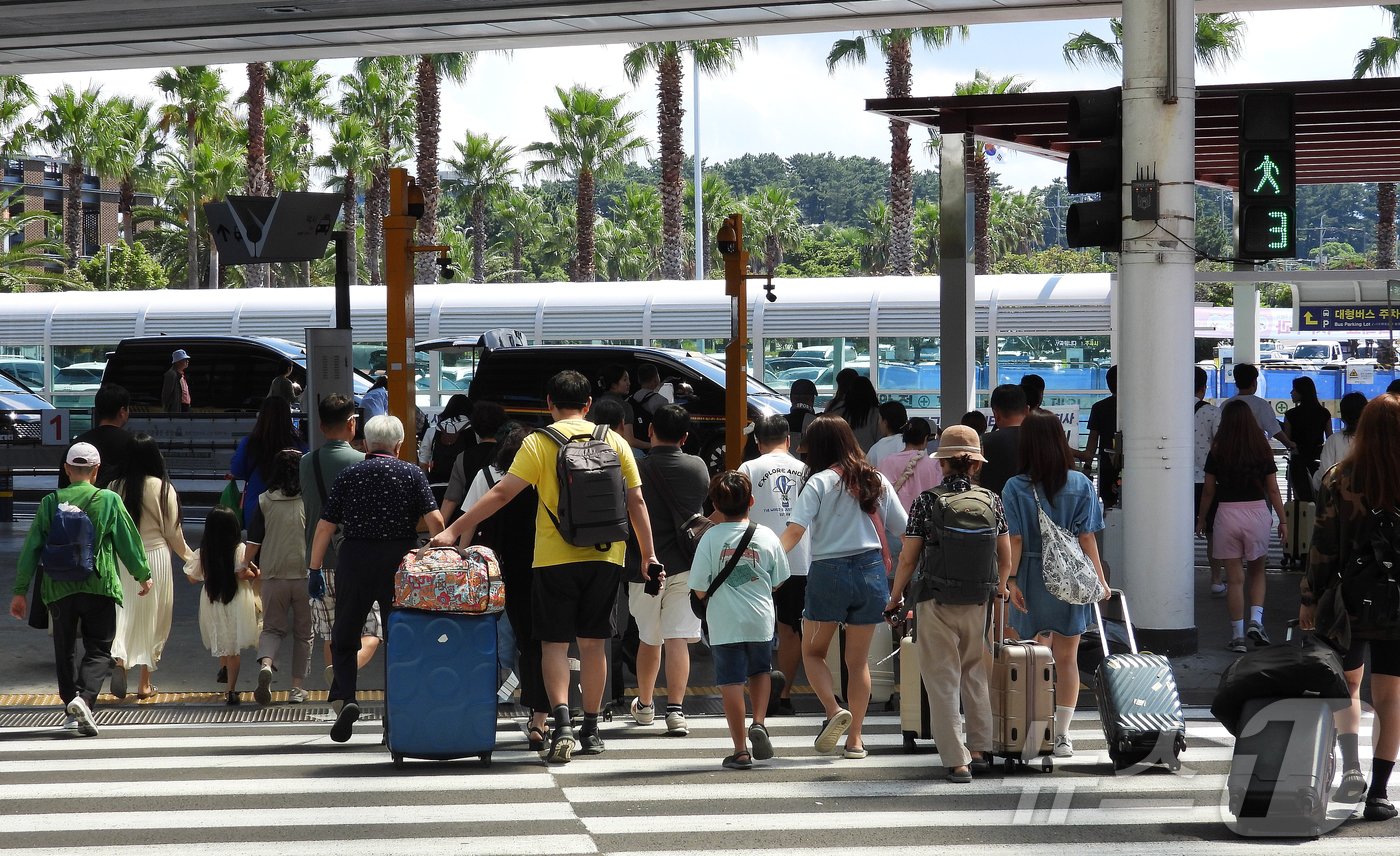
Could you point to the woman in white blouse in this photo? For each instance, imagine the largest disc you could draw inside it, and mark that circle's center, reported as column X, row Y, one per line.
column 1339, row 443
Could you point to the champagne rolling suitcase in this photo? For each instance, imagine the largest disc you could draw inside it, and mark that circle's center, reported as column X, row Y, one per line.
column 1281, row 773
column 882, row 680
column 914, row 720
column 440, row 685
column 1139, row 705
column 1023, row 700
column 1301, row 517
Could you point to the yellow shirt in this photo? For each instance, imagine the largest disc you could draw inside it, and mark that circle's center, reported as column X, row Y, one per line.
column 535, row 463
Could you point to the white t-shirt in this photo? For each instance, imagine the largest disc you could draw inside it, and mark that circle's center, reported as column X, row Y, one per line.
column 836, row 524
column 884, row 447
column 1263, row 414
column 1207, row 419
column 777, row 480
column 1333, row 451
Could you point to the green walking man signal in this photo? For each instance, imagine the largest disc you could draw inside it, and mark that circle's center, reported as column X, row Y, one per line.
column 1268, row 175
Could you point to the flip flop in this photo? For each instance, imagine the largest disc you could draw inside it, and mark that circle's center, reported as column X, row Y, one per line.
column 152, row 692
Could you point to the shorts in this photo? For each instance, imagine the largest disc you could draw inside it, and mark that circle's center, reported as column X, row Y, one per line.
column 736, row 662
column 1385, row 656
column 575, row 601
column 847, row 589
column 323, row 612
column 1242, row 530
column 1196, row 509
column 666, row 616
column 789, row 600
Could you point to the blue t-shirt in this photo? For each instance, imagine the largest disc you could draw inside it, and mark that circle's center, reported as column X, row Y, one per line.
column 741, row 609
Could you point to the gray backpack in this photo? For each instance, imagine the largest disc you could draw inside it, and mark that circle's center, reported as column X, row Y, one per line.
column 592, row 498
column 960, row 548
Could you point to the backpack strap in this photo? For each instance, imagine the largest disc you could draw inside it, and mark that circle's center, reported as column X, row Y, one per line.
column 733, row 561
column 1199, row 404
column 600, row 432
column 320, row 476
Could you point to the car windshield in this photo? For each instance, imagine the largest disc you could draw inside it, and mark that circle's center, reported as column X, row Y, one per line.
column 714, row 370
column 1312, row 352
column 77, row 376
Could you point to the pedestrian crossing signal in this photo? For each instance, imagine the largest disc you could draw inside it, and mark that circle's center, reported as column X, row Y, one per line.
column 1268, row 204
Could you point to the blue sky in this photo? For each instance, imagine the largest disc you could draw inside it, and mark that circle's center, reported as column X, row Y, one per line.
column 782, row 99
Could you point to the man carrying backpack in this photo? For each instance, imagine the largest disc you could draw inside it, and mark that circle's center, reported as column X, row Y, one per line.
column 588, row 490
column 78, row 534
column 960, row 531
column 646, row 401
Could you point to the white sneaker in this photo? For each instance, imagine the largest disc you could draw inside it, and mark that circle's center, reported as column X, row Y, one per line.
column 643, row 714
column 1063, row 747
column 297, row 695
column 70, row 723
column 78, row 709
column 675, row 724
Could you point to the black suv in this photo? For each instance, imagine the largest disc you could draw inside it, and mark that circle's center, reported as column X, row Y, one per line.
column 515, row 374
column 227, row 374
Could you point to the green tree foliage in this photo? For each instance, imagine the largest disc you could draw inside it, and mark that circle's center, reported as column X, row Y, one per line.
column 1054, row 260
column 132, row 269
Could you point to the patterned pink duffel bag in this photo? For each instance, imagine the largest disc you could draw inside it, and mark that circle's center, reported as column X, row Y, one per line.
column 450, row 579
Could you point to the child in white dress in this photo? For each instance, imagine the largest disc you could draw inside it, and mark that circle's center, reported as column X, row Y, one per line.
column 228, row 612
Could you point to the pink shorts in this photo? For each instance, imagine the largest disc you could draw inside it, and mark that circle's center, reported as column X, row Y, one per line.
column 1242, row 530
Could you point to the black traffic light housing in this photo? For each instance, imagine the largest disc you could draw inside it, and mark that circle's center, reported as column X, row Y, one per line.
column 1096, row 169
column 1268, row 195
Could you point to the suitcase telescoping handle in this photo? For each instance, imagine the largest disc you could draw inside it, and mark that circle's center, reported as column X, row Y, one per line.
column 1127, row 620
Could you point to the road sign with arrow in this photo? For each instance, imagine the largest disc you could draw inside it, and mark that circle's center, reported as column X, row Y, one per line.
column 288, row 227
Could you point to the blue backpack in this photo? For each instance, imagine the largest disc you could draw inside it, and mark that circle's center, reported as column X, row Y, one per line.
column 68, row 555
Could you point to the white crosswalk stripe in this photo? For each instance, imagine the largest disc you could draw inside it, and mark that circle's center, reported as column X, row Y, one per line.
column 227, row 790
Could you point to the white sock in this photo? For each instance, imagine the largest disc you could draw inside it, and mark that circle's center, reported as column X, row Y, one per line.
column 1063, row 715
column 1256, row 614
column 1237, row 629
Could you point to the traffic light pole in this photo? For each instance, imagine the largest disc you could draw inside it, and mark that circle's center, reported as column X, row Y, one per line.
column 399, row 226
column 736, row 381
column 1157, row 289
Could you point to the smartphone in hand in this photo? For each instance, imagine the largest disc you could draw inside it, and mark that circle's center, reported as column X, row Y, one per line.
column 653, row 585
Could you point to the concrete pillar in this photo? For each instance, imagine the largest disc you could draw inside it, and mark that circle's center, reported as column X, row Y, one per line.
column 1157, row 288
column 1247, row 323
column 957, row 285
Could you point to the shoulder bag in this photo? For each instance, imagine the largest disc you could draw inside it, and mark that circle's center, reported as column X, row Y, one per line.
column 1066, row 570
column 699, row 605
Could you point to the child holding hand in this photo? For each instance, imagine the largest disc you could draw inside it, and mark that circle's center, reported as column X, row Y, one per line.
column 228, row 612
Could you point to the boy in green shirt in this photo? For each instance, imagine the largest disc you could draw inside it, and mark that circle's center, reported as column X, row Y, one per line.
column 87, row 606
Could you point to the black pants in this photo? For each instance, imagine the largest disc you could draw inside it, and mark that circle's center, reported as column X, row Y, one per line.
column 364, row 575
column 94, row 618
column 519, row 609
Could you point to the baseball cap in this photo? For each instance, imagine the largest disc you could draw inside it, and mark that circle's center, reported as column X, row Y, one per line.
column 178, row 356
column 960, row 440
column 83, row 455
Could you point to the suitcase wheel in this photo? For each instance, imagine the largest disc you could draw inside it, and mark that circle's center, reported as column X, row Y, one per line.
column 398, row 761
column 909, row 746
column 1009, row 765
column 485, row 758
column 1174, row 765
column 1047, row 764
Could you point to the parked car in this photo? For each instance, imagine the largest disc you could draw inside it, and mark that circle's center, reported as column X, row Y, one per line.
column 75, row 385
column 27, row 371
column 21, row 411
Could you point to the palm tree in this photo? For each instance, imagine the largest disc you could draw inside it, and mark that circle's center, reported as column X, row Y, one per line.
column 875, row 239
column 1381, row 58
column 376, row 94
column 926, row 235
column 771, row 216
column 134, row 162
column 483, row 172
column 636, row 215
column 79, row 126
column 978, row 174
column 212, row 170
column 520, row 219
column 196, row 110
column 897, row 48
column 712, row 56
column 16, row 97
column 593, row 138
column 432, row 70
column 716, row 202
column 303, row 94
column 1219, row 42
column 258, row 185
column 351, row 157
column 22, row 262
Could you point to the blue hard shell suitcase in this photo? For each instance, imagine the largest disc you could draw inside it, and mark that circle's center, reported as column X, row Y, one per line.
column 1139, row 704
column 440, row 685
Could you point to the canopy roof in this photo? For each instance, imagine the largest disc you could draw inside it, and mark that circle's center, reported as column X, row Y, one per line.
column 1346, row 130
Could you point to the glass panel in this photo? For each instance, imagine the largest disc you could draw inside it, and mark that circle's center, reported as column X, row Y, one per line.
column 77, row 374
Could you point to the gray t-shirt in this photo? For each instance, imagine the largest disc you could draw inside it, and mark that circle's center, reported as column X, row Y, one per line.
column 688, row 481
column 1263, row 413
column 333, row 457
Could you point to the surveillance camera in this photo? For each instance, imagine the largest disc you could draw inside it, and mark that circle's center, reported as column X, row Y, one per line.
column 445, row 265
column 727, row 241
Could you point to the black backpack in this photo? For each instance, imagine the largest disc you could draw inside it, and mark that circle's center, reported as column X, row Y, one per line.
column 645, row 403
column 960, row 548
column 447, row 445
column 1370, row 588
column 592, row 499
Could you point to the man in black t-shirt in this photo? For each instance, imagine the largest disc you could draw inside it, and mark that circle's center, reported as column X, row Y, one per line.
column 1103, row 435
column 111, row 408
column 1002, row 447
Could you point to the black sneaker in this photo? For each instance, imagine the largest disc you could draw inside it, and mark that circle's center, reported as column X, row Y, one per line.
column 589, row 743
column 777, row 681
column 1379, row 808
column 561, row 748
column 784, row 708
column 1255, row 632
column 345, row 722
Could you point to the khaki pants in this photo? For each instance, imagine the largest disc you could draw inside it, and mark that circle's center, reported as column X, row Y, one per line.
column 281, row 597
column 953, row 659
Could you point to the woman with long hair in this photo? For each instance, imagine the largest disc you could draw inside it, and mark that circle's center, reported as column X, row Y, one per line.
column 1240, row 479
column 143, row 623
column 252, row 460
column 1338, row 444
column 861, row 410
column 1308, row 424
column 856, row 520
column 1360, row 492
column 843, row 381
column 1050, row 481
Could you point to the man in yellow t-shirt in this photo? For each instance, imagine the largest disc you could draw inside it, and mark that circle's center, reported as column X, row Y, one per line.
column 575, row 587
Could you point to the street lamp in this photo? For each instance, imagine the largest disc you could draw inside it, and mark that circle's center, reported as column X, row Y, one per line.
column 107, row 266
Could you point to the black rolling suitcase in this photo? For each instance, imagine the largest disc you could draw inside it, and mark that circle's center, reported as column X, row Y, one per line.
column 1281, row 773
column 1139, row 706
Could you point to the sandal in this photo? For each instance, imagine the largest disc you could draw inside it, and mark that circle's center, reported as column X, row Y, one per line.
column 148, row 693
column 539, row 736
column 739, row 761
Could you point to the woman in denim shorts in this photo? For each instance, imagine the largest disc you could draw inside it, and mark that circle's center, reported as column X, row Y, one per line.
column 855, row 518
